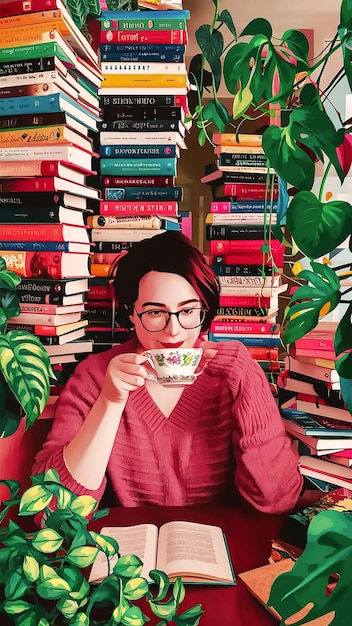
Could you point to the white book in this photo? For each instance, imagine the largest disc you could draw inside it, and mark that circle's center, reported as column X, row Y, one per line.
column 235, row 218
column 45, row 319
column 58, row 85
column 46, row 76
column 249, row 281
column 118, row 67
column 197, row 552
column 63, row 358
column 124, row 234
column 48, row 153
column 111, row 137
column 326, row 470
column 76, row 346
column 264, row 292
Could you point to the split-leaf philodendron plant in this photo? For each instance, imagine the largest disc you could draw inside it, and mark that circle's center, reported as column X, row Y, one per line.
column 260, row 71
column 25, row 369
column 43, row 581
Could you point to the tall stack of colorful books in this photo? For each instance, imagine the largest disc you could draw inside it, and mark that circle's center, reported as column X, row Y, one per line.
column 242, row 248
column 49, row 106
column 313, row 410
column 143, row 100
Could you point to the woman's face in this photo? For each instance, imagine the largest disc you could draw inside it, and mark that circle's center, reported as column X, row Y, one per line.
column 163, row 291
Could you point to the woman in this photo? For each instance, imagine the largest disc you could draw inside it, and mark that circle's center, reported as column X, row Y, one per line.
column 189, row 445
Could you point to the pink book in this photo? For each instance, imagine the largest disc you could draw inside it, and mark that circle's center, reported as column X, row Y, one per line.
column 144, row 36
column 164, row 208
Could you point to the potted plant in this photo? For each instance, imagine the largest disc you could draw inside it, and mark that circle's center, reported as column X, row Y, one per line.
column 263, row 74
column 25, row 368
column 42, row 572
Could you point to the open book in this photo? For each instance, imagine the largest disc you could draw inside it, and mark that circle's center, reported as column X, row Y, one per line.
column 196, row 552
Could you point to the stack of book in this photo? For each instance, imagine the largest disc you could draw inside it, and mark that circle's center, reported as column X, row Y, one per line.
column 49, row 106
column 143, row 101
column 313, row 410
column 239, row 221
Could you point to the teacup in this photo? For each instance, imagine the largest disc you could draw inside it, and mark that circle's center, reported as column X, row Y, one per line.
column 174, row 366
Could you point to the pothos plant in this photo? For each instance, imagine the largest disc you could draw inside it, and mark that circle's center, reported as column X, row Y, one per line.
column 261, row 71
column 43, row 577
column 25, row 369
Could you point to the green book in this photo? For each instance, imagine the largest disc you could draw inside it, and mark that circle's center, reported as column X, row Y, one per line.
column 35, row 51
column 138, row 167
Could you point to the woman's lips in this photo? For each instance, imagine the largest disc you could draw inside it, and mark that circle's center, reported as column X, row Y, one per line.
column 172, row 345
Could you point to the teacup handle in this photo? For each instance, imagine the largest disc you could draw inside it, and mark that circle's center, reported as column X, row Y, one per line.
column 150, row 376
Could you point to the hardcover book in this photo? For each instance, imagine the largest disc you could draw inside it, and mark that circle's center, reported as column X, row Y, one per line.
column 145, row 37
column 41, row 215
column 247, row 204
column 42, row 169
column 43, row 246
column 43, row 232
column 49, row 331
column 47, row 264
column 142, row 167
column 124, row 234
column 137, row 181
column 236, row 231
column 318, row 426
column 177, row 548
column 45, row 319
column 48, row 184
column 237, row 139
column 44, row 136
column 143, row 193
column 144, row 151
column 144, row 113
column 163, row 208
column 48, row 153
column 146, row 81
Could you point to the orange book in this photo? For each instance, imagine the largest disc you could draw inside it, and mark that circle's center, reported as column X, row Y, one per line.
column 240, row 139
column 47, row 264
column 44, row 136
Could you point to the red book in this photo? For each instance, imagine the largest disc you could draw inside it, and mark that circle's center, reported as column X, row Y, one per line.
column 63, row 169
column 106, row 257
column 313, row 352
column 144, row 36
column 242, row 327
column 99, row 292
column 164, row 208
column 245, row 301
column 49, row 331
column 19, row 7
column 243, row 246
column 249, row 191
column 242, row 258
column 262, row 353
column 43, row 232
column 47, row 264
column 138, row 181
column 51, row 309
column 46, row 183
column 98, row 304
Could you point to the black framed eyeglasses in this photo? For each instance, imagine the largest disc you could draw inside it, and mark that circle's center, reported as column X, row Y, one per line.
column 156, row 320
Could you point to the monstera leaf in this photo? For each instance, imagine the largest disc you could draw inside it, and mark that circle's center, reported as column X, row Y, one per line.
column 26, row 368
column 328, row 553
column 310, row 302
column 326, row 225
column 80, row 9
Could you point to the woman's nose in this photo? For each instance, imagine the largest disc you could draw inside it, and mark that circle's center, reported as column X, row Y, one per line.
column 173, row 326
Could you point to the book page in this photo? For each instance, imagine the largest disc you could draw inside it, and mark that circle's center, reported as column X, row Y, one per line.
column 140, row 540
column 197, row 552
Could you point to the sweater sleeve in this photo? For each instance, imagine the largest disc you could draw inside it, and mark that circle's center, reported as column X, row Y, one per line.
column 266, row 465
column 75, row 401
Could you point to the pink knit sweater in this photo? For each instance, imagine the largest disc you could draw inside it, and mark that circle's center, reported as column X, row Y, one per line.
column 224, row 435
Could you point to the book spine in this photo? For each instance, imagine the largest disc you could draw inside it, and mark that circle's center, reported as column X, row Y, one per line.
column 105, row 257
column 31, row 232
column 27, row 263
column 24, row 169
column 138, row 112
column 157, row 23
column 247, row 205
column 237, row 139
column 50, row 246
column 315, row 343
column 142, row 193
column 144, row 37
column 147, row 81
column 328, row 354
column 249, row 281
column 110, row 67
column 235, row 328
column 115, row 221
column 19, row 7
column 140, row 101
column 145, row 181
column 38, row 89
column 228, row 246
column 112, row 246
column 123, row 234
column 243, row 159
column 30, row 66
column 37, row 136
column 241, row 311
column 24, row 121
column 243, row 301
column 139, row 208
column 263, row 352
column 136, row 152
column 42, row 104
column 152, row 57
column 242, row 271
column 147, row 167
column 137, row 125
column 268, row 342
column 237, row 232
column 249, row 257
column 22, row 199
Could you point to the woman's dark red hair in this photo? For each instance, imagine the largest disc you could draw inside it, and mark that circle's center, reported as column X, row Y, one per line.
column 170, row 252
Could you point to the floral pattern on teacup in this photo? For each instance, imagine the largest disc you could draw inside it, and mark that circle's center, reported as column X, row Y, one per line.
column 175, row 358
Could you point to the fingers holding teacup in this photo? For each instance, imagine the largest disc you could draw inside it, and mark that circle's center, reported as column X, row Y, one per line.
column 125, row 373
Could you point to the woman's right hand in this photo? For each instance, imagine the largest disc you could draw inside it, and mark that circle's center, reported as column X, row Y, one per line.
column 125, row 373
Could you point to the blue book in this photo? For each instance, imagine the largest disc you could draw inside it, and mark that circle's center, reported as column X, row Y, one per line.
column 45, row 246
column 136, row 57
column 48, row 104
column 144, row 151
column 145, row 14
column 143, row 193
column 268, row 342
column 316, row 425
column 248, row 206
column 138, row 167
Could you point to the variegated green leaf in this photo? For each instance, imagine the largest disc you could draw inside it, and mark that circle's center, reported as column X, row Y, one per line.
column 211, row 43
column 163, row 583
column 82, row 556
column 135, row 588
column 53, row 589
column 108, row 545
column 80, row 619
column 83, row 505
column 34, row 500
column 15, row 607
column 30, row 568
column 67, row 607
column 133, row 617
column 128, row 566
column 26, row 367
column 47, row 540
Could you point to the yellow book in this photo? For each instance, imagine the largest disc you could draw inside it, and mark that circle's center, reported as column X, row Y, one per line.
column 145, row 80
column 234, row 139
column 43, row 136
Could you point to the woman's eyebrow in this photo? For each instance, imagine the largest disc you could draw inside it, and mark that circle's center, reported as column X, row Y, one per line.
column 160, row 304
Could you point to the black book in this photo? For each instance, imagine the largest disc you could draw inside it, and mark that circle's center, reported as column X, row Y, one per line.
column 49, row 286
column 215, row 177
column 30, row 66
column 142, row 100
column 243, row 311
column 242, row 270
column 42, row 214
column 230, row 231
column 112, row 246
column 143, row 113
column 33, row 119
column 48, row 199
column 242, row 160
